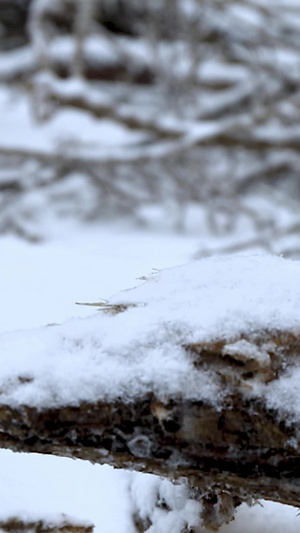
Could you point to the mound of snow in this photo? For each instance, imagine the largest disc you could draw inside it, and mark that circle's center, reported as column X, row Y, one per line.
column 142, row 348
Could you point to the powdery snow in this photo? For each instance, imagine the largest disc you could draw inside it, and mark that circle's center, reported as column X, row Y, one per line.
column 16, row 61
column 40, row 284
column 222, row 297
column 106, row 357
column 168, row 507
column 54, row 489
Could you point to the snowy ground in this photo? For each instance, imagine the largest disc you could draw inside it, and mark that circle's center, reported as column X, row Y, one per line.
column 39, row 284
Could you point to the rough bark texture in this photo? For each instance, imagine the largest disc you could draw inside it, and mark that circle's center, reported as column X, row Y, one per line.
column 243, row 450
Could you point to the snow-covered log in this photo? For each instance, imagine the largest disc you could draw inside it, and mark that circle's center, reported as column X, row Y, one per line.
column 52, row 524
column 193, row 375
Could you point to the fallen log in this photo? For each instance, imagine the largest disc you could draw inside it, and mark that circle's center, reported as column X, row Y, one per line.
column 63, row 524
column 193, row 375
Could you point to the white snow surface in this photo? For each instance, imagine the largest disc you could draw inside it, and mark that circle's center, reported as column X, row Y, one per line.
column 222, row 297
column 141, row 350
column 168, row 506
column 37, row 487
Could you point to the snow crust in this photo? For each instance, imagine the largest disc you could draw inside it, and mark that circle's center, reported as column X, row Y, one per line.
column 222, row 297
column 140, row 350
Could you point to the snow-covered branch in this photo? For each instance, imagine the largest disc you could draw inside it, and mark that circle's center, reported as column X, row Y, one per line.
column 155, row 103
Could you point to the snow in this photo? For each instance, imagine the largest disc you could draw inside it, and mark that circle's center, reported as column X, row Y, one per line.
column 39, row 284
column 141, row 350
column 74, row 87
column 246, row 14
column 214, row 71
column 68, row 129
column 270, row 518
column 167, row 506
column 248, row 351
column 100, row 49
column 16, row 61
column 35, row 487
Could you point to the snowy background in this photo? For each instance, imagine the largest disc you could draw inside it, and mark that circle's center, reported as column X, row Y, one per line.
column 129, row 144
